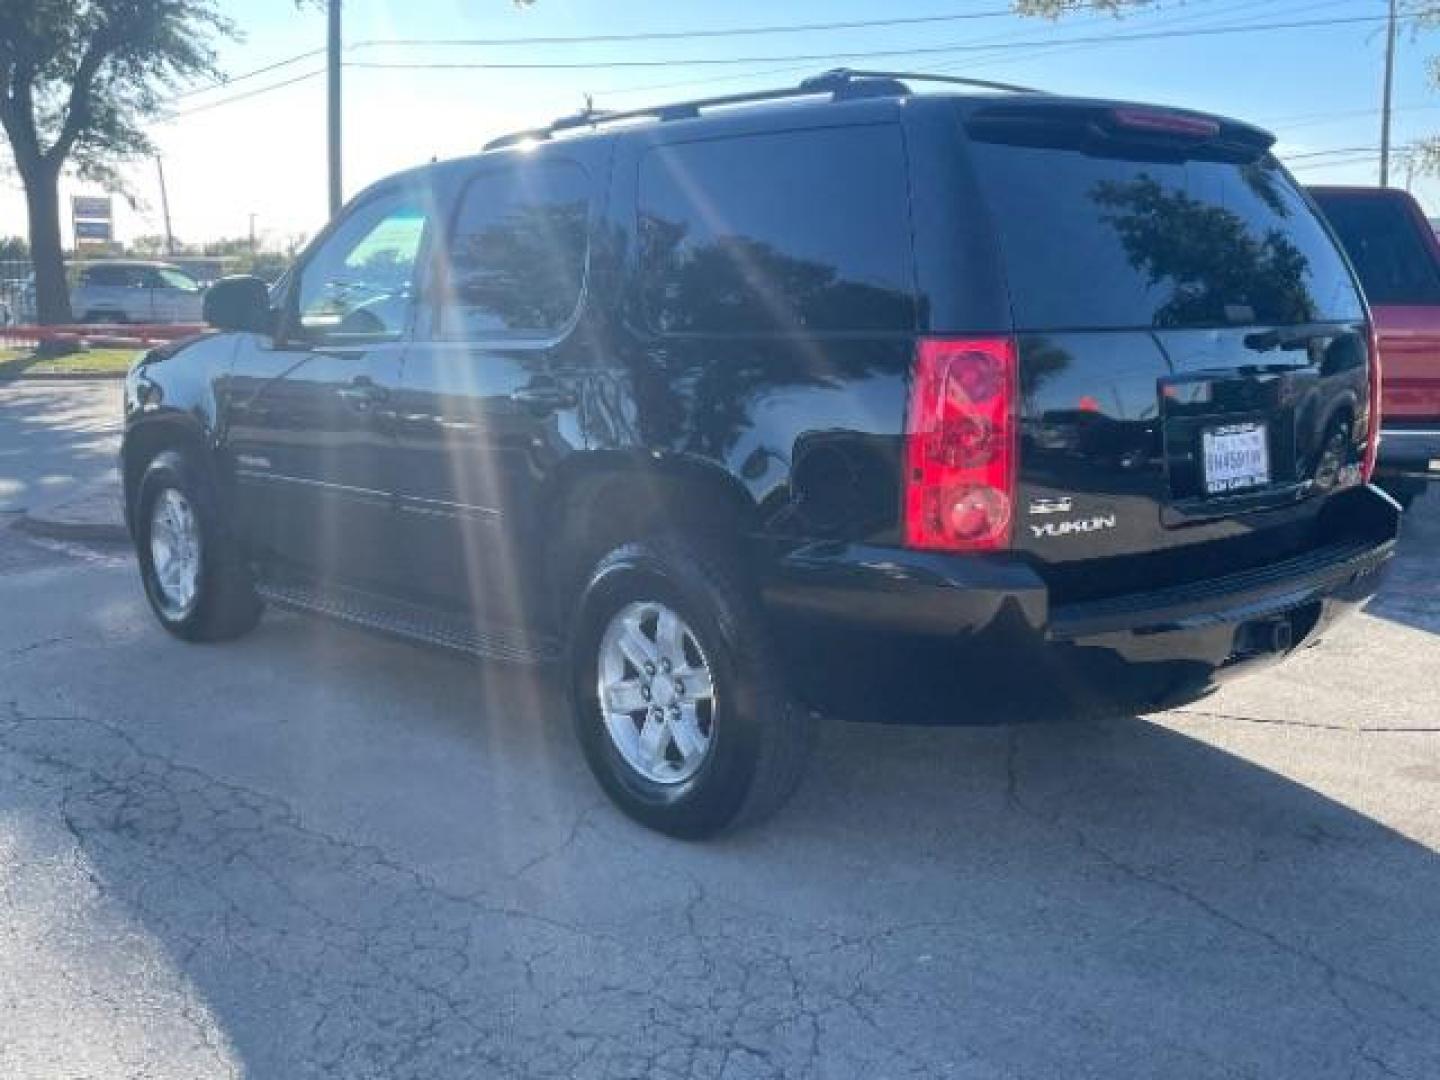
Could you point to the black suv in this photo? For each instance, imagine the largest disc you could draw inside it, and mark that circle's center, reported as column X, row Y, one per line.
column 753, row 408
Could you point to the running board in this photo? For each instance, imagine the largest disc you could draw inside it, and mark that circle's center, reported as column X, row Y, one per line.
column 396, row 618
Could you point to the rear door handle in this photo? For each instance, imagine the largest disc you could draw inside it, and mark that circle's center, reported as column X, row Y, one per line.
column 545, row 397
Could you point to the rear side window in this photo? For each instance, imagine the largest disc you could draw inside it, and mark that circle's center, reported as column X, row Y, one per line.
column 109, row 276
column 1093, row 242
column 777, row 233
column 1382, row 239
column 518, row 252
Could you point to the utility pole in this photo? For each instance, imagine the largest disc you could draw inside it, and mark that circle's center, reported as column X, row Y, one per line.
column 165, row 206
column 252, row 232
column 1390, row 31
column 333, row 82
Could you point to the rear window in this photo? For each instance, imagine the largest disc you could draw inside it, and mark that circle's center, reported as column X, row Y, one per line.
column 518, row 257
column 1382, row 239
column 109, row 276
column 775, row 233
column 1093, row 242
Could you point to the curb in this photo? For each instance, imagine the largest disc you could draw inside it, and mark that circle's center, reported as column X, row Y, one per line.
column 91, row 531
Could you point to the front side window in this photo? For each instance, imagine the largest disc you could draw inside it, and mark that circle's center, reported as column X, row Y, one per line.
column 359, row 284
column 518, row 254
column 803, row 231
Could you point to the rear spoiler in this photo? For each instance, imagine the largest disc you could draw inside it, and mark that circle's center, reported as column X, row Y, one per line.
column 1119, row 130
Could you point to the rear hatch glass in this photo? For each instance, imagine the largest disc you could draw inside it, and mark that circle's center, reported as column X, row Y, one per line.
column 1094, row 242
column 1192, row 342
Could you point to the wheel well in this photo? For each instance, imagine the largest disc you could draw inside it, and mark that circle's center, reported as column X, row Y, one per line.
column 145, row 442
column 600, row 511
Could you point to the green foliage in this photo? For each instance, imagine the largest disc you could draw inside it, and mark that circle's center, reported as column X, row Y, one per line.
column 81, row 76
column 1054, row 9
column 78, row 80
column 13, row 249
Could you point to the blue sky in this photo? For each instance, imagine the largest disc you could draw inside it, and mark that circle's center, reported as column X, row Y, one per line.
column 227, row 157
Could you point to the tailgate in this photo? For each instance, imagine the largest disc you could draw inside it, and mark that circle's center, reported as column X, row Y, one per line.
column 1193, row 348
column 1410, row 350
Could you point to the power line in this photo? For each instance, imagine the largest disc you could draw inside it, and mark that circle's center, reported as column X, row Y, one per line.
column 1331, row 153
column 681, row 35
column 711, row 61
column 248, row 94
column 221, row 84
column 1204, row 31
column 598, row 39
column 661, row 35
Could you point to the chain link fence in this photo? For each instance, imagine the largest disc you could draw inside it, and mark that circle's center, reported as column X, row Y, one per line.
column 17, row 291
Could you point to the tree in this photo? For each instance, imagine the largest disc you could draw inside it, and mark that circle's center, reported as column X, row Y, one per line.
column 1053, row 9
column 77, row 80
column 13, row 249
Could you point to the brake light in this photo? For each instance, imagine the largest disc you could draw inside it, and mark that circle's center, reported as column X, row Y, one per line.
column 960, row 453
column 1372, row 433
column 1159, row 122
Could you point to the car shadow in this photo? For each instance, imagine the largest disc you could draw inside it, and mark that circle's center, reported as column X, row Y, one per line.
column 1411, row 594
column 361, row 859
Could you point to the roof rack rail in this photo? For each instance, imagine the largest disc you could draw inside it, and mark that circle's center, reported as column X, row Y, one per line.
column 843, row 84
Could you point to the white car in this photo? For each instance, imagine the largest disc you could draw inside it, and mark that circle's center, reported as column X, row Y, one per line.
column 131, row 291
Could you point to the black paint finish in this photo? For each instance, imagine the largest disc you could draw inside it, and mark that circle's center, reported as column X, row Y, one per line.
column 751, row 286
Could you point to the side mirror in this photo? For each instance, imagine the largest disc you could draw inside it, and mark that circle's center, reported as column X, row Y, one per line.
column 240, row 302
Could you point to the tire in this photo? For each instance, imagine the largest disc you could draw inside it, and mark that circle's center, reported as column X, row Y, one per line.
column 222, row 603
column 757, row 739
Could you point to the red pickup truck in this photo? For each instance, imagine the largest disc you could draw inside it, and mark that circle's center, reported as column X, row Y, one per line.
column 1395, row 252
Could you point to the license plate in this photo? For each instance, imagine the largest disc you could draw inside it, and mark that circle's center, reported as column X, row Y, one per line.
column 1236, row 458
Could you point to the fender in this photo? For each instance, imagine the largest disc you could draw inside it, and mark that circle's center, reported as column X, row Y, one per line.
column 174, row 397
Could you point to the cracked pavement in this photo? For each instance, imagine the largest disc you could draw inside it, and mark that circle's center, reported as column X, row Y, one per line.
column 315, row 853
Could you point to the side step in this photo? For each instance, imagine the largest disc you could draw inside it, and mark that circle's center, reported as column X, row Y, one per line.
column 396, row 618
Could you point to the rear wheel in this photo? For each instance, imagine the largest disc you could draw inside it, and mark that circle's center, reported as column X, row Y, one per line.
column 196, row 582
column 680, row 704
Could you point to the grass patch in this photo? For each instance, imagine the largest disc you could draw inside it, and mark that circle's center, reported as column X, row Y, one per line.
column 15, row 362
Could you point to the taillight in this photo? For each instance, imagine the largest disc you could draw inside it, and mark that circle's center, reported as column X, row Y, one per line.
column 1372, row 433
column 960, row 454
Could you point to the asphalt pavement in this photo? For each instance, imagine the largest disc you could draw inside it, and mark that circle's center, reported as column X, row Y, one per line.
column 56, row 438
column 314, row 853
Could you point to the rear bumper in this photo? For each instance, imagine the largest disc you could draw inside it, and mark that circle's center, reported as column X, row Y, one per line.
column 974, row 639
column 1410, row 452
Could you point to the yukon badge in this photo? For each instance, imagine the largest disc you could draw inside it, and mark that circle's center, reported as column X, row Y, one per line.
column 1074, row 527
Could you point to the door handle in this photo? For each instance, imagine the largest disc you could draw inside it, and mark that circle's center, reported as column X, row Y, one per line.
column 362, row 394
column 543, row 397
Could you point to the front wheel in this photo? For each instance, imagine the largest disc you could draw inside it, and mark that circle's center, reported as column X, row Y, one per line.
column 196, row 582
column 680, row 704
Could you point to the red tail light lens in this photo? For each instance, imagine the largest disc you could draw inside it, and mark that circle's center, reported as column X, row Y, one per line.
column 960, row 455
column 1372, row 433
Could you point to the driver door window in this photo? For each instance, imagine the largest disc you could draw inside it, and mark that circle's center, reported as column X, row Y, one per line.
column 359, row 286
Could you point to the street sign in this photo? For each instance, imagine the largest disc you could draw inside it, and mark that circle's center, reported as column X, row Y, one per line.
column 90, row 207
column 92, row 230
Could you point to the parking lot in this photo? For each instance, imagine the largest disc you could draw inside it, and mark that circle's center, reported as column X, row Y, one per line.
column 316, row 853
